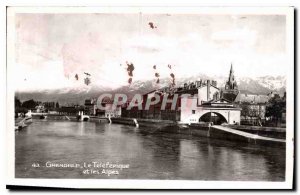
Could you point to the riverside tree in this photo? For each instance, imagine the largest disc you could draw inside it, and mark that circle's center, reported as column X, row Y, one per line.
column 276, row 106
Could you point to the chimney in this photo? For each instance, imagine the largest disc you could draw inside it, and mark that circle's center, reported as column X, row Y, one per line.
column 208, row 90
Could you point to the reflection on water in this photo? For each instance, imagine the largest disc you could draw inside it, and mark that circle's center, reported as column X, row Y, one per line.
column 150, row 156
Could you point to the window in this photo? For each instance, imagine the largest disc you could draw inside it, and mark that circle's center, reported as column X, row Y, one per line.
column 193, row 111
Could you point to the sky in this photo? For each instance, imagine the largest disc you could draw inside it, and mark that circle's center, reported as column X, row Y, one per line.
column 52, row 48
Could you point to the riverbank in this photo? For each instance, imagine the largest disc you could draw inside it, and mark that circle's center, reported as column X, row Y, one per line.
column 144, row 122
column 70, row 118
column 239, row 133
column 274, row 132
column 21, row 123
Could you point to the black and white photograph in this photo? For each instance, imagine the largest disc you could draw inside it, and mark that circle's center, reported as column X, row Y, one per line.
column 151, row 97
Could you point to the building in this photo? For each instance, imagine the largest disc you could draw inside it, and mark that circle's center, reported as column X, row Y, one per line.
column 246, row 96
column 154, row 111
column 199, row 101
column 90, row 107
column 231, row 84
column 50, row 105
column 40, row 108
column 203, row 101
column 208, row 103
column 253, row 113
column 108, row 109
column 253, row 107
column 231, row 88
column 208, row 106
column 70, row 110
column 112, row 110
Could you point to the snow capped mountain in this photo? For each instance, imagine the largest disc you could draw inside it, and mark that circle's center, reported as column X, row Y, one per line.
column 259, row 85
column 263, row 85
column 273, row 83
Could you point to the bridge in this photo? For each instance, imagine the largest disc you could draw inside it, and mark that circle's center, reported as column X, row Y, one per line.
column 219, row 115
column 217, row 112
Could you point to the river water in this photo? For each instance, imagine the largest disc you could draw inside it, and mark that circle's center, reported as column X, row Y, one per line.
column 49, row 149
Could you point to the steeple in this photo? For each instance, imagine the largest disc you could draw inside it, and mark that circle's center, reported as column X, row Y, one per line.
column 231, row 89
column 231, row 75
column 231, row 83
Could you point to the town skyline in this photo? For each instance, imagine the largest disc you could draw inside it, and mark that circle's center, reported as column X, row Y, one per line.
column 262, row 87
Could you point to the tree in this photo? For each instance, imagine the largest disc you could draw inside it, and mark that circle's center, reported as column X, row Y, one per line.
column 18, row 103
column 57, row 105
column 276, row 106
column 21, row 110
column 29, row 104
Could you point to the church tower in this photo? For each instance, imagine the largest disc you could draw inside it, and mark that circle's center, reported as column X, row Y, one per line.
column 231, row 89
column 231, row 83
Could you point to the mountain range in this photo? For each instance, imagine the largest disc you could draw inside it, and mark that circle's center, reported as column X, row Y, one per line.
column 67, row 96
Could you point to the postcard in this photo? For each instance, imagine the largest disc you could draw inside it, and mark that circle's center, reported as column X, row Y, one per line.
column 150, row 97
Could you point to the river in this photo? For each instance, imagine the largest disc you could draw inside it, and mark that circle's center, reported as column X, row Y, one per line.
column 49, row 149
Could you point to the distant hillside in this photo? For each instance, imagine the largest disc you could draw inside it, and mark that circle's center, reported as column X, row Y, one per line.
column 260, row 85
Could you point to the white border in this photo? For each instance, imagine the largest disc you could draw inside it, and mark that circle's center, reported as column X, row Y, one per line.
column 151, row 184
